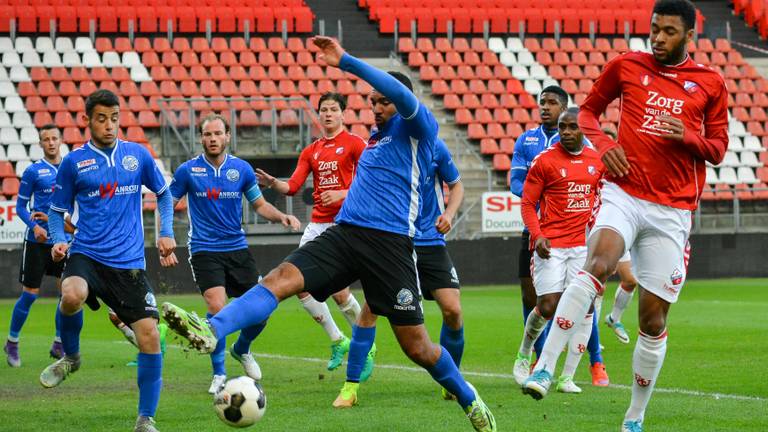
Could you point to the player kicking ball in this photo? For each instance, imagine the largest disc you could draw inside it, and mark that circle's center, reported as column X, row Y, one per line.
column 562, row 183
column 673, row 120
column 372, row 242
column 332, row 161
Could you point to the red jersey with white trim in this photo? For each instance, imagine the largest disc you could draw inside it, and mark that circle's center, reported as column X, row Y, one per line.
column 663, row 171
column 332, row 162
column 564, row 186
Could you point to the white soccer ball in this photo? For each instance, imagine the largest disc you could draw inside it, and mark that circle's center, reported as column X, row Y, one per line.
column 241, row 402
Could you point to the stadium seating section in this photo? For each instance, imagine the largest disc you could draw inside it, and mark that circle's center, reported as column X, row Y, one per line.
column 152, row 16
column 491, row 89
column 755, row 13
column 608, row 17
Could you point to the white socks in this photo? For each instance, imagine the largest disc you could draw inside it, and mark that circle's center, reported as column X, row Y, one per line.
column 577, row 346
column 623, row 297
column 646, row 364
column 534, row 325
column 320, row 313
column 351, row 310
column 573, row 306
column 129, row 334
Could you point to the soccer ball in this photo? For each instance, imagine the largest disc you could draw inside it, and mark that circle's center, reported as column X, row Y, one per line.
column 241, row 402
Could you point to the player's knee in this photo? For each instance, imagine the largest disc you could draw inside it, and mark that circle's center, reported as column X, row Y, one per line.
column 452, row 316
column 341, row 297
column 653, row 325
column 283, row 281
column 546, row 306
column 419, row 353
column 629, row 285
column 34, row 291
column 600, row 267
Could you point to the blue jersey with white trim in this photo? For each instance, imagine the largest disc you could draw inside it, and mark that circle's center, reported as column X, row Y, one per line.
column 215, row 201
column 104, row 191
column 385, row 192
column 36, row 187
column 442, row 169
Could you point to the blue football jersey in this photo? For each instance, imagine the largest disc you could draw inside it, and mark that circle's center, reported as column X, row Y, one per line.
column 36, row 186
column 442, row 169
column 104, row 191
column 385, row 192
column 215, row 201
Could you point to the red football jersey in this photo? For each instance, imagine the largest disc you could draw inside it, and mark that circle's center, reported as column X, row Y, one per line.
column 564, row 185
column 332, row 162
column 663, row 170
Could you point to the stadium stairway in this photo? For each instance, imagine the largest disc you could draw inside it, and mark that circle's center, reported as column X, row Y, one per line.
column 359, row 35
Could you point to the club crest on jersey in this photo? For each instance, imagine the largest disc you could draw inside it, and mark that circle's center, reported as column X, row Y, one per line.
column 316, row 155
column 130, row 163
column 340, row 150
column 677, row 277
column 233, row 175
column 591, row 170
column 645, row 79
column 563, row 172
column 690, row 86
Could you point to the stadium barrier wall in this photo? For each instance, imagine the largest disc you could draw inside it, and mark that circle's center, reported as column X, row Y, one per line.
column 486, row 261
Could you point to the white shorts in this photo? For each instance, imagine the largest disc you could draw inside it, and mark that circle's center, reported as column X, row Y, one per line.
column 313, row 230
column 554, row 274
column 657, row 235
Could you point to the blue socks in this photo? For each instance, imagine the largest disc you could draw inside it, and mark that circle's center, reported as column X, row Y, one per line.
column 453, row 341
column 447, row 374
column 247, row 335
column 19, row 315
column 150, row 380
column 593, row 346
column 361, row 343
column 57, row 320
column 252, row 308
column 217, row 356
column 71, row 325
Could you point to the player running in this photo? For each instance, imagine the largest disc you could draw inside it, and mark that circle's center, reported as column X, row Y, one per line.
column 437, row 276
column 372, row 241
column 35, row 192
column 553, row 100
column 674, row 119
column 215, row 183
column 562, row 184
column 102, row 181
column 332, row 160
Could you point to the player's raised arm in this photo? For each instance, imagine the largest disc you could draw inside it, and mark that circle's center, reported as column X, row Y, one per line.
column 406, row 103
column 603, row 92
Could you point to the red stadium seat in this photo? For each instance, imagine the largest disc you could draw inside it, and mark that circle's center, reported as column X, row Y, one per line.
column 501, row 162
column 10, row 186
column 488, row 146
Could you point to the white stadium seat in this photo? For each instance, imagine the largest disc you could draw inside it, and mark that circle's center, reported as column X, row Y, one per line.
column 9, row 136
column 734, row 143
column 538, row 72
column 131, row 59
column 36, row 153
column 70, row 59
column 746, row 175
column 91, row 59
column 11, row 58
column 6, row 44
column 515, row 44
column 749, row 159
column 22, row 119
column 3, row 74
column 711, row 176
column 139, row 73
column 14, row 104
column 7, row 89
column 64, row 44
column 737, row 128
column 24, row 43
column 19, row 74
column 29, row 136
column 752, row 143
column 83, row 44
column 111, row 59
column 525, row 58
column 730, row 160
column 5, row 119
column 43, row 44
column 533, row 86
column 31, row 59
column 51, row 59
column 496, row 45
column 22, row 166
column 549, row 82
column 520, row 72
column 507, row 58
column 728, row 176
column 16, row 152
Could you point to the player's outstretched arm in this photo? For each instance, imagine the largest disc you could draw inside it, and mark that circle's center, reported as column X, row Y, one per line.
column 270, row 213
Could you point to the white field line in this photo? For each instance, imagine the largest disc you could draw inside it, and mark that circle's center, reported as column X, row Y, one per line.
column 686, row 392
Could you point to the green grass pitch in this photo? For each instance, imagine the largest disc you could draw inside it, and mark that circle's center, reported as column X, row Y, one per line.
column 714, row 378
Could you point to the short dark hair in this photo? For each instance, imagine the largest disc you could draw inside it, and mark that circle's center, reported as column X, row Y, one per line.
column 682, row 8
column 337, row 97
column 101, row 97
column 561, row 94
column 48, row 126
column 404, row 80
column 211, row 117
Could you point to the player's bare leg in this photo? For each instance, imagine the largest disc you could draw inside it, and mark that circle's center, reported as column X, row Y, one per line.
column 74, row 291
column 624, row 293
column 605, row 247
column 649, row 352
